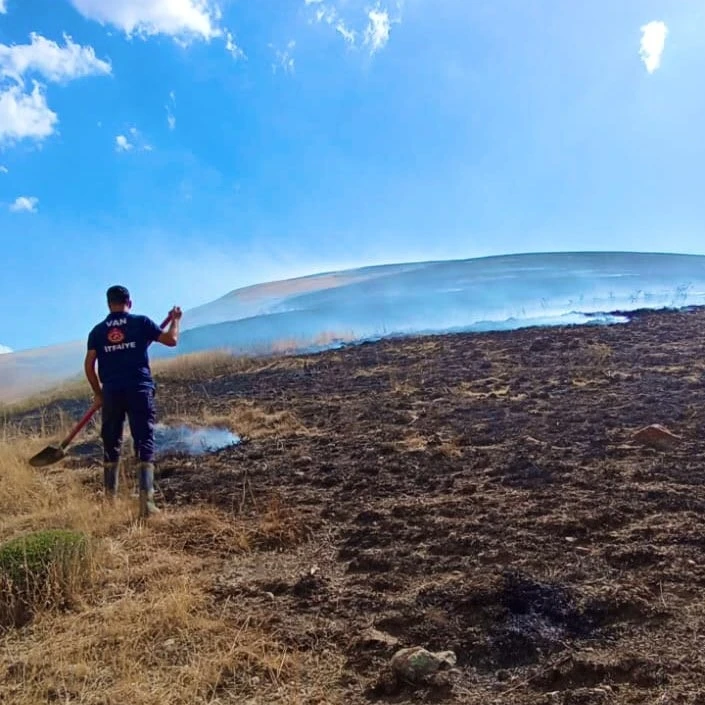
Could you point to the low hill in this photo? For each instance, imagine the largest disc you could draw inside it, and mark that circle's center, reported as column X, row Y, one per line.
column 325, row 310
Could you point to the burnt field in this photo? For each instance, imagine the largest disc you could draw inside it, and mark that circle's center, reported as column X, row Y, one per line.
column 475, row 493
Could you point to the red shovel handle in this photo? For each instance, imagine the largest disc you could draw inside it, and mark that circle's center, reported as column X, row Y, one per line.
column 89, row 414
column 74, row 432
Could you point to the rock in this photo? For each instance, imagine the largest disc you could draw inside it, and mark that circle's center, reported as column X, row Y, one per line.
column 656, row 436
column 374, row 637
column 415, row 664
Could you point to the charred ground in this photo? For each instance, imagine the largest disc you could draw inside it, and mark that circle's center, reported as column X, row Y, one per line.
column 478, row 493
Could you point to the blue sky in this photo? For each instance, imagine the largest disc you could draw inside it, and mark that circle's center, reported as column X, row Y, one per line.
column 187, row 147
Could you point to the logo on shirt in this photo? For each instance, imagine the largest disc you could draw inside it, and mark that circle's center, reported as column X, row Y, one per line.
column 116, row 336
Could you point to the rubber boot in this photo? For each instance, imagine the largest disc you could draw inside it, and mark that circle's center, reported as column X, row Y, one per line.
column 110, row 479
column 147, row 506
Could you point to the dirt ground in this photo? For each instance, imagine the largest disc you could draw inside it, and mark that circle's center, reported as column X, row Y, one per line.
column 474, row 493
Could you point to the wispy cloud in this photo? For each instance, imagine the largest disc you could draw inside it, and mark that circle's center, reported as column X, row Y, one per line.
column 232, row 47
column 378, row 29
column 3, row 7
column 170, row 117
column 374, row 32
column 135, row 141
column 51, row 61
column 4, row 350
column 349, row 35
column 653, row 42
column 330, row 16
column 285, row 60
column 25, row 204
column 4, row 169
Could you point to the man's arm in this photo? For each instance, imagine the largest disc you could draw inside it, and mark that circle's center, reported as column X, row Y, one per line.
column 170, row 337
column 91, row 376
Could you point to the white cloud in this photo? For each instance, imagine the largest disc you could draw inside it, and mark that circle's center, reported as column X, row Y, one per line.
column 25, row 115
column 348, row 35
column 122, row 144
column 330, row 16
column 135, row 141
column 4, row 350
column 232, row 47
column 53, row 62
column 374, row 34
column 183, row 20
column 25, row 204
column 175, row 18
column 3, row 10
column 170, row 117
column 378, row 29
column 285, row 59
column 326, row 14
column 653, row 42
column 4, row 169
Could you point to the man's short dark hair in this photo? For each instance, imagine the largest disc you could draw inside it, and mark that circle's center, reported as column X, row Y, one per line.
column 118, row 295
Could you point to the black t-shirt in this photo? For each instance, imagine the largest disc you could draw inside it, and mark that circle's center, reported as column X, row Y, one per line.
column 121, row 342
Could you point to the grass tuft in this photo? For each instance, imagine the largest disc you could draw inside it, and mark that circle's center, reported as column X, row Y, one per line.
column 42, row 570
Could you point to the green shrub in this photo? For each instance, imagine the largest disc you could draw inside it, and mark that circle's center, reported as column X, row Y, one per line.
column 42, row 570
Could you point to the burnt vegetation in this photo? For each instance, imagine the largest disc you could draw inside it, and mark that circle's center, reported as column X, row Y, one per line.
column 475, row 493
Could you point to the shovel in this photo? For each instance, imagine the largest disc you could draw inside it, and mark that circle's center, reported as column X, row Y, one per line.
column 53, row 454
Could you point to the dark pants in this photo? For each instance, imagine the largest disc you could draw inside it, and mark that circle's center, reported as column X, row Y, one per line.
column 138, row 406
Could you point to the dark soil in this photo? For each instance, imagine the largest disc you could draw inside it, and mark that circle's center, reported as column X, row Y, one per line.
column 478, row 493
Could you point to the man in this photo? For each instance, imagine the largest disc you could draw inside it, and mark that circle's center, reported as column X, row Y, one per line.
column 119, row 345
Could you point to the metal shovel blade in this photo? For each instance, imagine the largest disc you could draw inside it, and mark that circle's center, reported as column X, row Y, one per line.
column 53, row 454
column 48, row 456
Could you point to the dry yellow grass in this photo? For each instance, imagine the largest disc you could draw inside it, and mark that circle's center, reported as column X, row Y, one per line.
column 214, row 364
column 147, row 628
column 245, row 418
column 193, row 367
column 254, row 421
column 414, row 442
column 39, row 500
column 146, row 625
column 203, row 365
column 153, row 635
column 75, row 388
column 207, row 365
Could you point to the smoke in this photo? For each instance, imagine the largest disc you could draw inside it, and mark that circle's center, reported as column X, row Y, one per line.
column 192, row 440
